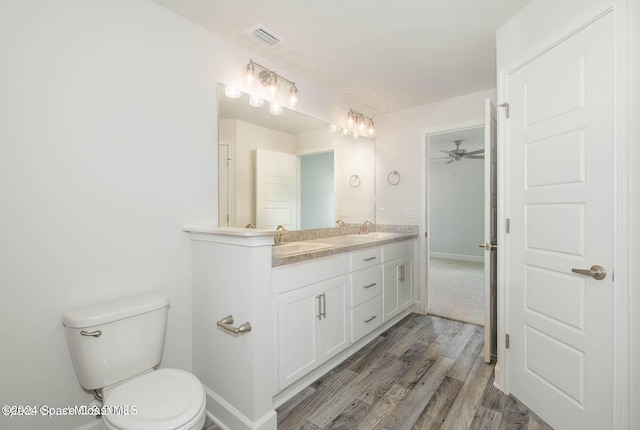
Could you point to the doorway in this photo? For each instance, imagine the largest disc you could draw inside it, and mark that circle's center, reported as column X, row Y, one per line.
column 455, row 220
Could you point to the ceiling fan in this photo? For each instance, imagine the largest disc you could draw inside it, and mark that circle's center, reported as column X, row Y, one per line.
column 460, row 153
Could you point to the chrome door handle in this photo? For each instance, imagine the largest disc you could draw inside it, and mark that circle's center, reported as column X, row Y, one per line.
column 488, row 246
column 596, row 272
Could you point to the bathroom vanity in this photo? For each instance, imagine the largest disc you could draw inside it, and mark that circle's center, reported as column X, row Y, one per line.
column 309, row 305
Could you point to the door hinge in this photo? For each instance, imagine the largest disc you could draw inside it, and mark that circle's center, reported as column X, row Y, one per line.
column 425, row 234
column 507, row 225
column 505, row 105
column 506, row 341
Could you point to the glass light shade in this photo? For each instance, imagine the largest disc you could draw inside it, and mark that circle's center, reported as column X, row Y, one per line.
column 275, row 108
column 255, row 101
column 231, row 92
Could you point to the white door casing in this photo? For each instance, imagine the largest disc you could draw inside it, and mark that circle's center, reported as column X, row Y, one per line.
column 490, row 229
column 560, row 201
column 224, row 185
column 276, row 189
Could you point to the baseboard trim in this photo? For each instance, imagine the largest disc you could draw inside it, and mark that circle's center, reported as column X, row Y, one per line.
column 228, row 417
column 462, row 257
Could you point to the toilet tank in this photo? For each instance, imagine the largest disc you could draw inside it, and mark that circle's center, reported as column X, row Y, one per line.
column 113, row 341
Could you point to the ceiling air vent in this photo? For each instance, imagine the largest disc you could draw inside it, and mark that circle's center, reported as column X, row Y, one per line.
column 265, row 35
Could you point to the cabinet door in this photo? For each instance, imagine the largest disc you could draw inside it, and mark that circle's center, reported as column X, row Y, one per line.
column 390, row 277
column 334, row 327
column 298, row 313
column 405, row 283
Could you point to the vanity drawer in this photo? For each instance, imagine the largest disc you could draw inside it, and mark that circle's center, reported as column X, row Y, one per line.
column 397, row 250
column 366, row 258
column 365, row 318
column 366, row 284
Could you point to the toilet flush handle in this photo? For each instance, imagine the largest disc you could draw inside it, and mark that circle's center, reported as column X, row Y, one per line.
column 96, row 333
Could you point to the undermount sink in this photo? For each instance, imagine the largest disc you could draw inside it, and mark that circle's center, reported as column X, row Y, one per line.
column 376, row 235
column 299, row 247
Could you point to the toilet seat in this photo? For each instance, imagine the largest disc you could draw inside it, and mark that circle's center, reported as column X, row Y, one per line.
column 165, row 399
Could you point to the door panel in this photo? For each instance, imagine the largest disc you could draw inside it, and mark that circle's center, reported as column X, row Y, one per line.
column 276, row 189
column 560, row 202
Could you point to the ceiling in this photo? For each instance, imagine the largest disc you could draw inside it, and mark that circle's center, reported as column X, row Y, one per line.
column 375, row 56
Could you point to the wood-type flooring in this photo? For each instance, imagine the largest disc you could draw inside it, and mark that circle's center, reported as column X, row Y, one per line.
column 425, row 372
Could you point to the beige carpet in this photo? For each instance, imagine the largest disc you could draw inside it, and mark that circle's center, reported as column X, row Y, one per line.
column 456, row 290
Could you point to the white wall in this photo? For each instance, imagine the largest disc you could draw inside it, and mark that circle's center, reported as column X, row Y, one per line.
column 532, row 25
column 108, row 135
column 400, row 145
column 456, row 203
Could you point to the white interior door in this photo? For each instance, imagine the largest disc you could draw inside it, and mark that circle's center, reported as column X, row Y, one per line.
column 276, row 189
column 490, row 229
column 559, row 192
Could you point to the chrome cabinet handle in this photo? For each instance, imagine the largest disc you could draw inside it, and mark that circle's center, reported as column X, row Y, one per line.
column 596, row 272
column 369, row 259
column 226, row 323
column 370, row 285
column 96, row 333
column 322, row 305
column 371, row 319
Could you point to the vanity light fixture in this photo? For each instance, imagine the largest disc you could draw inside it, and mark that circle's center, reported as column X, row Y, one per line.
column 358, row 125
column 274, row 83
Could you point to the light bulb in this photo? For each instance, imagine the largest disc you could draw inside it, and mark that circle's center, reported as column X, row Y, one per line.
column 293, row 95
column 371, row 128
column 250, row 73
column 350, row 119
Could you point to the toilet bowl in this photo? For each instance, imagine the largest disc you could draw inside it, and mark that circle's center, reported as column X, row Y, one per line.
column 165, row 399
column 115, row 348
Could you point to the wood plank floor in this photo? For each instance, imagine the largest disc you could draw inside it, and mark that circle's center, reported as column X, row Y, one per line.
column 425, row 372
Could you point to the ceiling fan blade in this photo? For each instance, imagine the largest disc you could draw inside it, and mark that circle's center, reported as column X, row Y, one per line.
column 479, row 151
column 446, row 152
column 450, row 161
column 476, row 157
column 441, row 158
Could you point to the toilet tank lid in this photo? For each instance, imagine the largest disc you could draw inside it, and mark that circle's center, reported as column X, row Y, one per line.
column 114, row 310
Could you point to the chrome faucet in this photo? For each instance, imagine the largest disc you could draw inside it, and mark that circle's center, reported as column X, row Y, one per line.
column 363, row 229
column 340, row 223
column 278, row 237
column 249, row 226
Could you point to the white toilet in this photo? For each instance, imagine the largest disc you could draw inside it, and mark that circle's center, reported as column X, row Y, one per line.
column 115, row 347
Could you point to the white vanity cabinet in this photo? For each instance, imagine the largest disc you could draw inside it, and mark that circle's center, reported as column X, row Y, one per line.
column 366, row 289
column 397, row 282
column 312, row 315
column 325, row 306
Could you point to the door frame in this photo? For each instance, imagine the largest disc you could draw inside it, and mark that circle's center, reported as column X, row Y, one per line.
column 621, row 312
column 423, row 242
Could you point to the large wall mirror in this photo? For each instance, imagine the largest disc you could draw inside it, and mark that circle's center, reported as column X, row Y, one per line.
column 289, row 169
